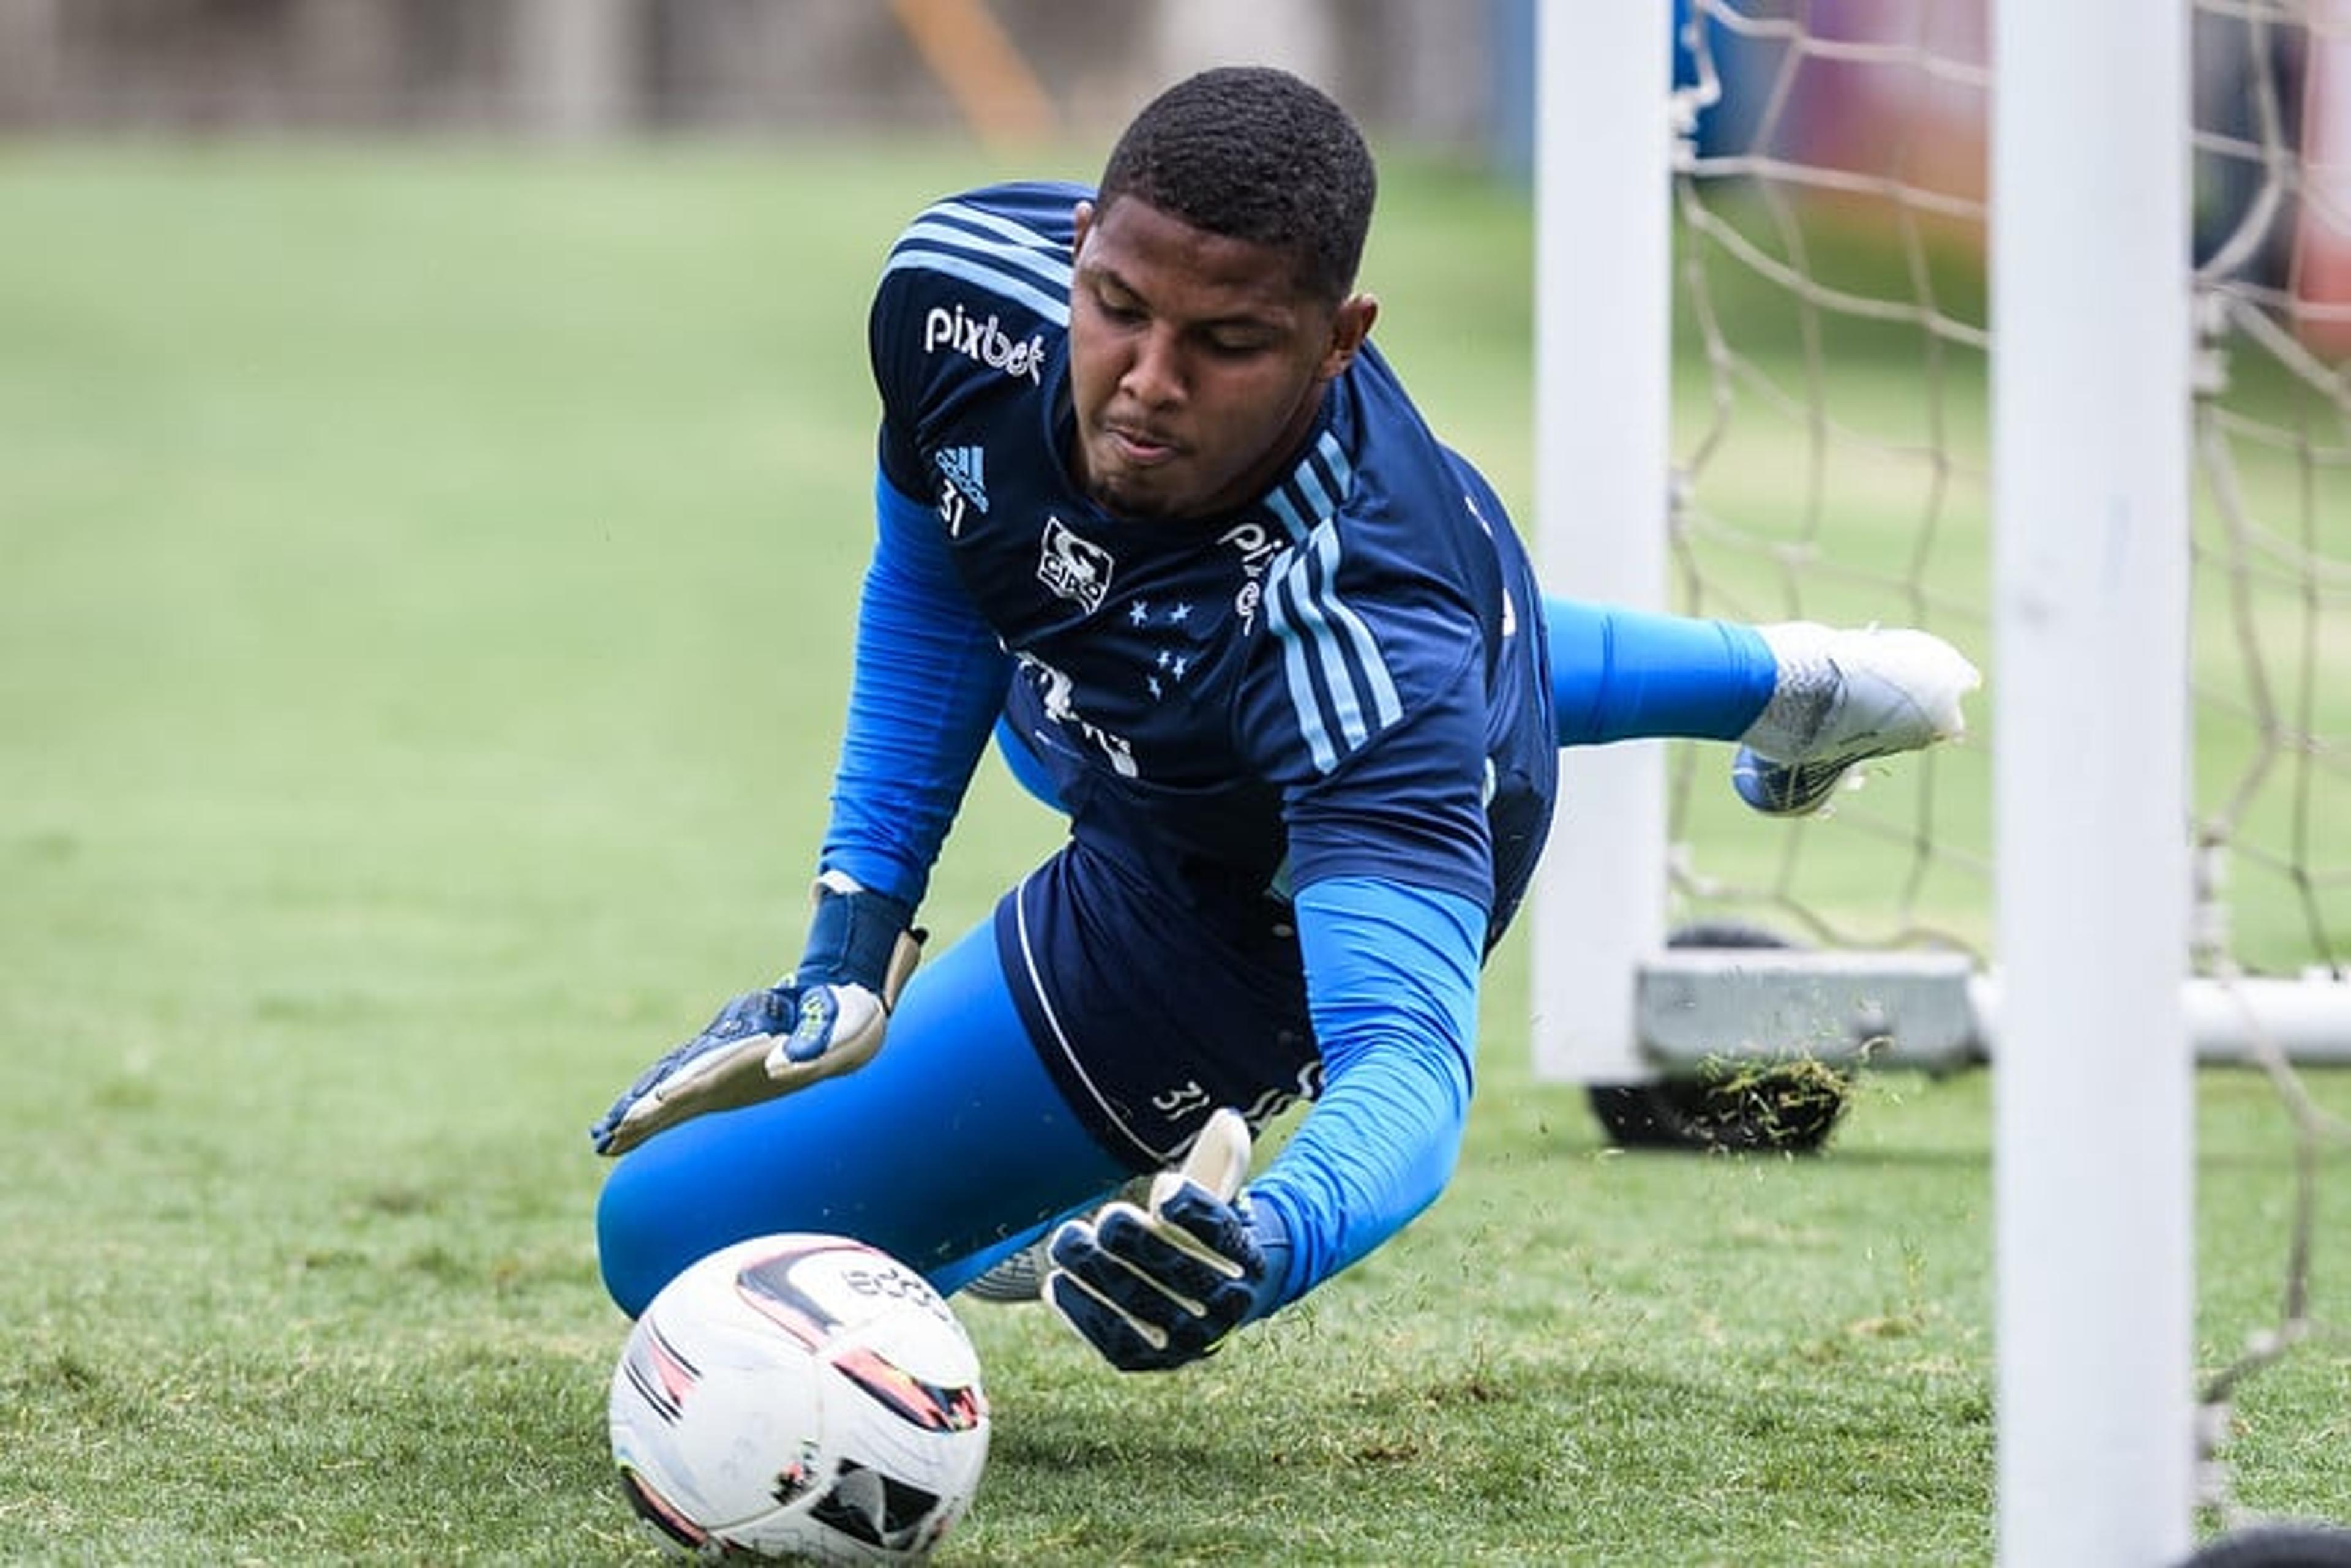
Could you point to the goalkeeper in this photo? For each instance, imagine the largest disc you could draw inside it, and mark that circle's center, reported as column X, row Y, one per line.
column 1154, row 512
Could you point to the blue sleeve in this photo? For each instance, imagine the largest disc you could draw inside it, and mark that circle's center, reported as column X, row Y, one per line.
column 930, row 678
column 1621, row 675
column 1392, row 983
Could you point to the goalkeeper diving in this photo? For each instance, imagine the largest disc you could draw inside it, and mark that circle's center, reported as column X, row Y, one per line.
column 1155, row 518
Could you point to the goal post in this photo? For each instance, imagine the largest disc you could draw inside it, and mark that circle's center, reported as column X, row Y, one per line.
column 2089, row 490
column 1789, row 476
column 1602, row 375
column 2091, row 316
column 1946, row 328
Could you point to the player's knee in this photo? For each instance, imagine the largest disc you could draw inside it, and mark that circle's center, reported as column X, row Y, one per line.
column 639, row 1243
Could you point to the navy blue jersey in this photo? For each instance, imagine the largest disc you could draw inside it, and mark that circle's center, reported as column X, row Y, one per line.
column 1306, row 747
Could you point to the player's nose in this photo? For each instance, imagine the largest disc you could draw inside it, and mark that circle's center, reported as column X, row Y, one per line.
column 1155, row 375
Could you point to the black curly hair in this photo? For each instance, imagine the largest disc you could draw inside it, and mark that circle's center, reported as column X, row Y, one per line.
column 1254, row 154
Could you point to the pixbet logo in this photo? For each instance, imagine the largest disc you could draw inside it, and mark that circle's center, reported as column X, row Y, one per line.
column 984, row 341
column 1256, row 543
column 1258, row 546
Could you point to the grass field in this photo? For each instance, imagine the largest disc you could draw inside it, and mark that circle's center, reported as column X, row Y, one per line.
column 424, row 583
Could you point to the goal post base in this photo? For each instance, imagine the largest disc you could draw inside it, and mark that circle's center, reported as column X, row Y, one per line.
column 1931, row 1012
column 1693, row 1006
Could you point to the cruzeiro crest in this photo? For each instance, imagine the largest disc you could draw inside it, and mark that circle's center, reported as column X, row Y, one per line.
column 1077, row 570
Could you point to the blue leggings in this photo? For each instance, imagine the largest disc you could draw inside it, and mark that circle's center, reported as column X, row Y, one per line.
column 1628, row 675
column 949, row 1150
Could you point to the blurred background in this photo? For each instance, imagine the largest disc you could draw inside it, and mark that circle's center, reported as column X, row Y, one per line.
column 1456, row 74
column 567, row 69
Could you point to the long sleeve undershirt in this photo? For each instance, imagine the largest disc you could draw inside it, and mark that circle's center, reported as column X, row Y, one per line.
column 1392, row 984
column 930, row 680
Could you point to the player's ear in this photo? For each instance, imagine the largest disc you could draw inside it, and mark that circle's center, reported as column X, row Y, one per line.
column 1350, row 325
column 1084, row 220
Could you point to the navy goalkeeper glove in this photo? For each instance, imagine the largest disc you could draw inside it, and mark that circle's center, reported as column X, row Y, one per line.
column 825, row 1018
column 1155, row 1288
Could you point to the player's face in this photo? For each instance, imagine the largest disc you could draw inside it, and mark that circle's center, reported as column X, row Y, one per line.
column 1197, row 363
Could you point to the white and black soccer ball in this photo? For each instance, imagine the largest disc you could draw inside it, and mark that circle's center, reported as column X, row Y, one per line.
column 798, row 1397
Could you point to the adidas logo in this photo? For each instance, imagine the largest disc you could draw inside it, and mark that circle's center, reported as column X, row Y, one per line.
column 962, row 466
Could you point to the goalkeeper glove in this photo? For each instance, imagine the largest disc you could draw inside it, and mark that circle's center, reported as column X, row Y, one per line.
column 1153, row 1288
column 823, row 1018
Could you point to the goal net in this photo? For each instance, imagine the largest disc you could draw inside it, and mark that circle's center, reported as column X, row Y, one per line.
column 1828, row 438
column 1831, row 449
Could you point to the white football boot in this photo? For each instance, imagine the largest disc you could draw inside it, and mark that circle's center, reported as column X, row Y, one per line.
column 1019, row 1278
column 1843, row 697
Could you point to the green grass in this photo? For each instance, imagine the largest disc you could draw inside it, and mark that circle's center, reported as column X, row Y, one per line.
column 423, row 577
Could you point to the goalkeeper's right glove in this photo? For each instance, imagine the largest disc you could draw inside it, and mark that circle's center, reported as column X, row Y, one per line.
column 825, row 1018
column 1155, row 1287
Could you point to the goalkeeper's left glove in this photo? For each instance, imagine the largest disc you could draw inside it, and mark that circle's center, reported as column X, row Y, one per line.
column 1155, row 1288
column 823, row 1018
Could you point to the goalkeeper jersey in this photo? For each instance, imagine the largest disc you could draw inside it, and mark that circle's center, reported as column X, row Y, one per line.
column 1339, row 685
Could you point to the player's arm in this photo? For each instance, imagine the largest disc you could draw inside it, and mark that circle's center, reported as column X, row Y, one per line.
column 1392, row 975
column 928, row 680
column 1385, row 770
column 1392, row 872
column 930, row 675
column 1392, row 984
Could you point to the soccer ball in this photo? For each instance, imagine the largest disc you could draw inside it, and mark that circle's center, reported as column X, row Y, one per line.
column 798, row 1396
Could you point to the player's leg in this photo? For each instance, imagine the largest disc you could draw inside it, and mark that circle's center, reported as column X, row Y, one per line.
column 1623, row 674
column 1014, row 1270
column 943, row 1151
column 1804, row 701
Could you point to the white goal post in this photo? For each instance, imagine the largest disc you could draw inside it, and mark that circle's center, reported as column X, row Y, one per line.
column 2091, row 323
column 1602, row 369
column 2090, row 292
